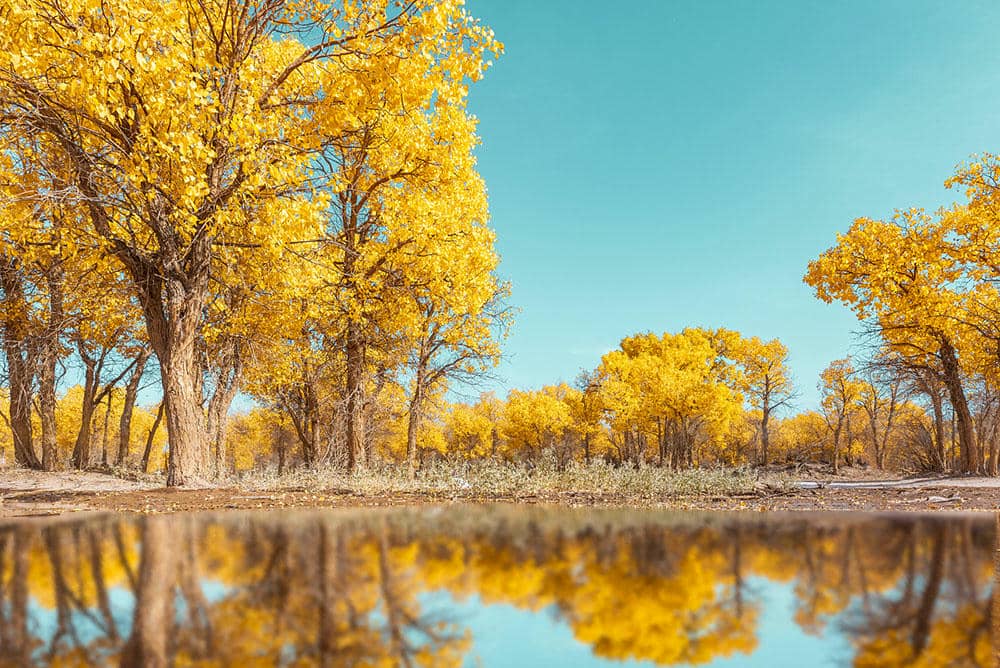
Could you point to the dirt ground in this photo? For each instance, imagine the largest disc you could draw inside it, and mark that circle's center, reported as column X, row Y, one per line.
column 29, row 493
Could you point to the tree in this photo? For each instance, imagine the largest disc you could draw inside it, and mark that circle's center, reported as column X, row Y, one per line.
column 896, row 275
column 840, row 393
column 189, row 132
column 766, row 382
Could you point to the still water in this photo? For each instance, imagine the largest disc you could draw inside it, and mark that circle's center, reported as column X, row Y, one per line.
column 498, row 586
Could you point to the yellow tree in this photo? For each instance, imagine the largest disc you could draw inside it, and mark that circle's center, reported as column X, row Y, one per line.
column 534, row 421
column 896, row 274
column 408, row 206
column 190, row 131
column 675, row 389
column 840, row 391
column 766, row 382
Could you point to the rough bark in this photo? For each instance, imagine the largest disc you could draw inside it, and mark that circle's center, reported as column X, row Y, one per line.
column 185, row 421
column 17, row 349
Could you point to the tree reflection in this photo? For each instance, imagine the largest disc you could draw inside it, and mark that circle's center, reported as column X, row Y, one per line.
column 359, row 589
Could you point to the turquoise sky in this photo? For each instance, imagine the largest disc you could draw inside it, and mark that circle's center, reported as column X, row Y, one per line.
column 678, row 164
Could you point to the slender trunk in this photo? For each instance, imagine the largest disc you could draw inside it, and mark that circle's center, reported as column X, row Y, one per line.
column 971, row 461
column 355, row 396
column 302, row 406
column 128, row 407
column 836, row 448
column 938, row 411
column 228, row 379
column 47, row 407
column 765, row 434
column 104, row 435
column 413, row 423
column 149, row 438
column 81, row 449
column 47, row 368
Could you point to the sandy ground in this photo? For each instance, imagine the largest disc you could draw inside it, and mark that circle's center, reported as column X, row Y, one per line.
column 31, row 493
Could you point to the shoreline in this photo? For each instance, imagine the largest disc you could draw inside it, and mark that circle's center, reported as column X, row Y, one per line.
column 31, row 494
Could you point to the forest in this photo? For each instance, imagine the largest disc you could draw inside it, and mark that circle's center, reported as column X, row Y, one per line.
column 244, row 236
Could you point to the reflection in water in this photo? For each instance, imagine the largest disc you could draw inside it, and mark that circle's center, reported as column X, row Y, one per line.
column 354, row 588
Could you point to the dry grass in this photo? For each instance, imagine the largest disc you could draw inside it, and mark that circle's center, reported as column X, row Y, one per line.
column 504, row 480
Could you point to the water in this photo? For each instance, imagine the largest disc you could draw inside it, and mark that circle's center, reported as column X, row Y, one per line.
column 498, row 586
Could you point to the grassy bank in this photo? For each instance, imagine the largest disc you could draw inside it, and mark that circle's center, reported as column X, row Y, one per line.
column 493, row 479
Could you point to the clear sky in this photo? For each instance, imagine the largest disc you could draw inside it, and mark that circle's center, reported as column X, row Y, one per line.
column 678, row 164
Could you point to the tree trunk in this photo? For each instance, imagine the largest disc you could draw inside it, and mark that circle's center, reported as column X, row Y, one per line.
column 836, row 449
column 153, row 618
column 18, row 353
column 50, row 350
column 971, row 462
column 150, row 437
column 185, row 421
column 355, row 396
column 413, row 424
column 765, row 434
column 128, row 407
column 995, row 602
column 47, row 407
column 938, row 411
column 81, row 449
column 173, row 307
column 228, row 377
column 104, row 434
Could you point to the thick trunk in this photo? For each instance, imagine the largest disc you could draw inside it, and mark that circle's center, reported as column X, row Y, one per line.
column 18, row 353
column 971, row 462
column 154, row 600
column 128, row 407
column 20, row 413
column 173, row 308
column 185, row 421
